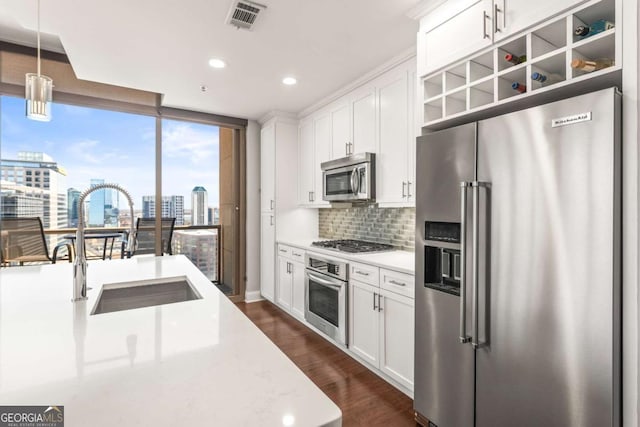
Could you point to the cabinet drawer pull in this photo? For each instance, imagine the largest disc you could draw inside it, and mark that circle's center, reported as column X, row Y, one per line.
column 393, row 282
column 496, row 10
column 484, row 25
column 284, row 251
column 364, row 273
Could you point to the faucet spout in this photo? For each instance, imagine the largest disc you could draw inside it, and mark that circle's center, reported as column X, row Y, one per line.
column 80, row 263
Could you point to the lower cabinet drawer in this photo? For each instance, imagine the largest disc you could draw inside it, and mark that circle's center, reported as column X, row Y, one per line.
column 364, row 273
column 400, row 283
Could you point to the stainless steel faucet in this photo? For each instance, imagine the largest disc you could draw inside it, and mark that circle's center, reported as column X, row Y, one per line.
column 80, row 263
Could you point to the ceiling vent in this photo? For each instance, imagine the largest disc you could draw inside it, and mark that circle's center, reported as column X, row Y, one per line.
column 243, row 14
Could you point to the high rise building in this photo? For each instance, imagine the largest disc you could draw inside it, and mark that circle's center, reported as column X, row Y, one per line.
column 213, row 216
column 199, row 202
column 96, row 205
column 200, row 246
column 73, row 198
column 172, row 207
column 34, row 175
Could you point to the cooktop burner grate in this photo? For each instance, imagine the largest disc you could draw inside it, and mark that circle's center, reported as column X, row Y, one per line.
column 354, row 246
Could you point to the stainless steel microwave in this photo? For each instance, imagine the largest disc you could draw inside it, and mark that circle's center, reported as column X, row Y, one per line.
column 350, row 179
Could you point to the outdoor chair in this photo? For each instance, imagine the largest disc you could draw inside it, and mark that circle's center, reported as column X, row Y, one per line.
column 23, row 240
column 145, row 235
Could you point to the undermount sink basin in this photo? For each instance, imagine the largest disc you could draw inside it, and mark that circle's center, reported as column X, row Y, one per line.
column 144, row 293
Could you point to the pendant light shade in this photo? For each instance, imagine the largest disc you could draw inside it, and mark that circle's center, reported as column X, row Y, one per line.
column 38, row 90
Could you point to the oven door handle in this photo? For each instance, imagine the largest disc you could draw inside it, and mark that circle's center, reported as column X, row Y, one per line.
column 322, row 281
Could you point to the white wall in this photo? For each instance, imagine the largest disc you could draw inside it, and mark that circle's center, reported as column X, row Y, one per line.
column 252, row 291
column 630, row 207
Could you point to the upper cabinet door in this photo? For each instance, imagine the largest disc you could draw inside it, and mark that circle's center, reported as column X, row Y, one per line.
column 454, row 31
column 322, row 135
column 392, row 160
column 513, row 16
column 340, row 130
column 267, row 168
column 306, row 164
column 363, row 107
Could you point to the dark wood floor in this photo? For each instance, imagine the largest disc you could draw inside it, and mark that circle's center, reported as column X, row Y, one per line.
column 364, row 398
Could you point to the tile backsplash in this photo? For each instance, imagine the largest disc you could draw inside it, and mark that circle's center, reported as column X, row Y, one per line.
column 394, row 226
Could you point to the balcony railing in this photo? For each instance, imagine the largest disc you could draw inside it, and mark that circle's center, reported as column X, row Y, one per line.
column 200, row 243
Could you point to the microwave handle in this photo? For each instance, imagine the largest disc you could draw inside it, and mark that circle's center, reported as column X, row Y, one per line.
column 355, row 181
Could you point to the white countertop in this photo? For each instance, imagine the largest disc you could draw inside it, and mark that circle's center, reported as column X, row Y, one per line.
column 402, row 261
column 192, row 363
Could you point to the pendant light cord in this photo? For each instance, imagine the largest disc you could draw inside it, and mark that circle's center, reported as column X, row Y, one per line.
column 38, row 38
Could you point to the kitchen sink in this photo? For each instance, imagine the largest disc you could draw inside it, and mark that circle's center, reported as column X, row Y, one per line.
column 144, row 293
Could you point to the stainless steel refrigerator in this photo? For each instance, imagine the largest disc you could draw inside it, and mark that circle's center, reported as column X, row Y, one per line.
column 518, row 229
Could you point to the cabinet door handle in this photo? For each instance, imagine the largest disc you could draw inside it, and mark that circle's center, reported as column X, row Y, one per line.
column 364, row 273
column 313, row 196
column 374, row 302
column 404, row 185
column 484, row 25
column 310, row 196
column 346, row 148
column 408, row 188
column 271, row 220
column 379, row 302
column 290, row 267
column 496, row 10
column 271, row 204
column 393, row 282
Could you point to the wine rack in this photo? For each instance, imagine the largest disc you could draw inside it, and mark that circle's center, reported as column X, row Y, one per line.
column 478, row 85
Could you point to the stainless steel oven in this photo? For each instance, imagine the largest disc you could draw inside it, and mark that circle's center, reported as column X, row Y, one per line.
column 349, row 179
column 326, row 293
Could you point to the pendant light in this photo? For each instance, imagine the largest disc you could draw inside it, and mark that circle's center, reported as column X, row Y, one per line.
column 38, row 90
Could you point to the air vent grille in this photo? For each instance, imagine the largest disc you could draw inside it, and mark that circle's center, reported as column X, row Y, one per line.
column 243, row 14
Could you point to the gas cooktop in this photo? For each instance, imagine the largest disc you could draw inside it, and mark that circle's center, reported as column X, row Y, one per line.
column 353, row 246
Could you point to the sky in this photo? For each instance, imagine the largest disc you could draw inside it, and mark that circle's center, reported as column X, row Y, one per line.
column 117, row 147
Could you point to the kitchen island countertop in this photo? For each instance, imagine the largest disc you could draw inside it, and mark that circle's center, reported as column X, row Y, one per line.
column 198, row 362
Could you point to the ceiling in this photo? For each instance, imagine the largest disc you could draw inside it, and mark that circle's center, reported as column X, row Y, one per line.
column 165, row 47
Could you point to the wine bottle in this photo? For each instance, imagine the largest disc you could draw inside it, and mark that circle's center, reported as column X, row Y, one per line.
column 598, row 26
column 546, row 79
column 515, row 60
column 591, row 65
column 519, row 87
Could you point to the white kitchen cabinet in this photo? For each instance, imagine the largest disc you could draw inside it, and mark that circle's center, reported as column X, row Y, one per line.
column 340, row 129
column 458, row 29
column 267, row 168
column 485, row 80
column 284, row 287
column 381, row 321
column 267, row 255
column 364, row 321
column 513, row 16
column 314, row 137
column 363, row 123
column 397, row 337
column 290, row 283
column 297, row 298
column 281, row 216
column 452, row 31
column 306, row 162
column 395, row 168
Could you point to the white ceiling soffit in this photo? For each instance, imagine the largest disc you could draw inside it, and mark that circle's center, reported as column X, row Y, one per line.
column 165, row 47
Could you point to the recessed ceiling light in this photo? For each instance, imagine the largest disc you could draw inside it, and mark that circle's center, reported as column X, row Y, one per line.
column 289, row 81
column 217, row 63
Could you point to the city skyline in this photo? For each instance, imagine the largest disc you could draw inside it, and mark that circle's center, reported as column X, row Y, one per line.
column 99, row 144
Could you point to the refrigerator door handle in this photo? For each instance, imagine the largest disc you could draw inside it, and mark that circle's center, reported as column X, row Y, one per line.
column 475, row 341
column 464, row 338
